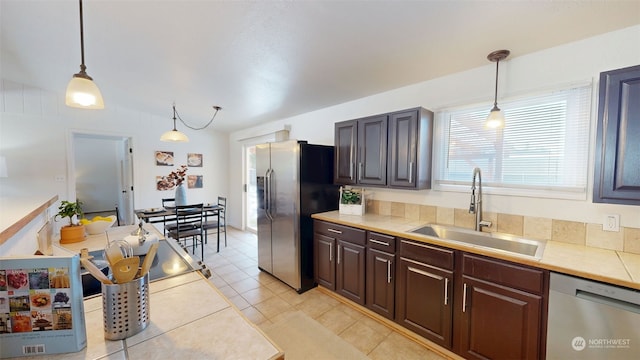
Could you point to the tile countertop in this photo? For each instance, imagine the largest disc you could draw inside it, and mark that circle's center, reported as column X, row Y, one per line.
column 190, row 318
column 614, row 267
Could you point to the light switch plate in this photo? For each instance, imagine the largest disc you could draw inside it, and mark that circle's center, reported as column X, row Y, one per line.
column 611, row 222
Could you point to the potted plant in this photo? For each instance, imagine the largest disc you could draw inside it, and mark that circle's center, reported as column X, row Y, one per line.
column 74, row 232
column 351, row 201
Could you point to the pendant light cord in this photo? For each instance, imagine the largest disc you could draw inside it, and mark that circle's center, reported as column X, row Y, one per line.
column 495, row 96
column 83, row 68
column 175, row 113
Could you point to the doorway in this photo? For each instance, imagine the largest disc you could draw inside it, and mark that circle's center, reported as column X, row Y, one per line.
column 103, row 175
column 250, row 189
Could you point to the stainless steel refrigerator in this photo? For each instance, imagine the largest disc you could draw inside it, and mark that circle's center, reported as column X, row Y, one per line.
column 294, row 180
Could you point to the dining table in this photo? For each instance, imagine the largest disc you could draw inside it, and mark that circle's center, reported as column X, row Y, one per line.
column 168, row 214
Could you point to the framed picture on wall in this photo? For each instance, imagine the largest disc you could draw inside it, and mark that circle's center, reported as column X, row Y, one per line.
column 194, row 160
column 162, row 184
column 194, row 181
column 164, row 158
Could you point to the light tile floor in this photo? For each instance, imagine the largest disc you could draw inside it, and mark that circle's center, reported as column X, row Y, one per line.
column 264, row 299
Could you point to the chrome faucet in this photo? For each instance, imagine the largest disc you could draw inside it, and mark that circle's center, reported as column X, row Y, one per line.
column 476, row 202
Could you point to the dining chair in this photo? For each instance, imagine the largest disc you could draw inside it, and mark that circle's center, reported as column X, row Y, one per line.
column 168, row 203
column 188, row 226
column 219, row 225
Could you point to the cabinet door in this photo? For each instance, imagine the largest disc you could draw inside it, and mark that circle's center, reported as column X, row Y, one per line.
column 372, row 150
column 424, row 300
column 617, row 149
column 324, row 264
column 345, row 152
column 403, row 133
column 350, row 269
column 381, row 282
column 498, row 322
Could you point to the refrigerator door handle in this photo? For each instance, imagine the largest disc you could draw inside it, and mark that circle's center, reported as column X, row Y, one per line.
column 271, row 181
column 267, row 194
column 410, row 172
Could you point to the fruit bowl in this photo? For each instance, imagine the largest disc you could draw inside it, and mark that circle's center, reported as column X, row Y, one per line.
column 99, row 224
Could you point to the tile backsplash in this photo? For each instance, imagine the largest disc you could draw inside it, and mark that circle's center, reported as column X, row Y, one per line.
column 627, row 239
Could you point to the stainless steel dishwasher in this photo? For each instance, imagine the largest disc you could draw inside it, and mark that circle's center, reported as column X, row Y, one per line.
column 592, row 320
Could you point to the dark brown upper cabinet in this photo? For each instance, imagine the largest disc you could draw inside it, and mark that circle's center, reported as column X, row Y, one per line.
column 617, row 160
column 345, row 139
column 410, row 141
column 361, row 151
column 372, row 150
column 388, row 150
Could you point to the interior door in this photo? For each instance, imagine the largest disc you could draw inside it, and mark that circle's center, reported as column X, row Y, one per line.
column 102, row 168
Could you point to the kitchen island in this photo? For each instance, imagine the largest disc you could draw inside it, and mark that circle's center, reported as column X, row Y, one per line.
column 190, row 319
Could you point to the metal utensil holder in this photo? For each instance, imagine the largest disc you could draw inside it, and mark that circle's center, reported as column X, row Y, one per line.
column 125, row 308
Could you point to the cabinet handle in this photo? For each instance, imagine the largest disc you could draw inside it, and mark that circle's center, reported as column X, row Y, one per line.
column 359, row 171
column 446, row 291
column 338, row 253
column 422, row 272
column 330, row 252
column 379, row 242
column 334, row 231
column 410, row 172
column 389, row 272
column 464, row 297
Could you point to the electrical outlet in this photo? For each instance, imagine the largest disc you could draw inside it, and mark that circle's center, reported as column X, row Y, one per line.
column 59, row 178
column 611, row 222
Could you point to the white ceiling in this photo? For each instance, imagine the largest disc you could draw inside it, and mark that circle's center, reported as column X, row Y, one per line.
column 268, row 60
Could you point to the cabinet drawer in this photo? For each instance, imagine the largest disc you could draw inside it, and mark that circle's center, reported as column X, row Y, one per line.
column 382, row 242
column 341, row 232
column 429, row 254
column 504, row 273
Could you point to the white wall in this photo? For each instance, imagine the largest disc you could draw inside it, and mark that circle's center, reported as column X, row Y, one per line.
column 571, row 63
column 35, row 138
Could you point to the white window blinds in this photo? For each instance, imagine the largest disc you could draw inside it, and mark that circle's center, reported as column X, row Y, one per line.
column 543, row 146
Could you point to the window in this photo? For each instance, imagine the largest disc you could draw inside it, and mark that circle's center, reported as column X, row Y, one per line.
column 543, row 149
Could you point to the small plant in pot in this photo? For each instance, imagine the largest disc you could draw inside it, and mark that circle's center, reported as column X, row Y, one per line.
column 73, row 232
column 351, row 201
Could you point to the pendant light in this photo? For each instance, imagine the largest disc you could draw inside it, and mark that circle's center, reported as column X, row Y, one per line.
column 496, row 116
column 82, row 92
column 174, row 135
column 177, row 136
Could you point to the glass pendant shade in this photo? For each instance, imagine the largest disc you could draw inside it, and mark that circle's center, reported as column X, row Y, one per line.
column 174, row 136
column 83, row 93
column 495, row 119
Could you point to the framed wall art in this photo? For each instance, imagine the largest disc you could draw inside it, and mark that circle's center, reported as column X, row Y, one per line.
column 194, row 160
column 164, row 158
column 163, row 184
column 194, row 181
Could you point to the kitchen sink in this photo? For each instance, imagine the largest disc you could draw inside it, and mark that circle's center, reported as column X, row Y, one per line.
column 494, row 241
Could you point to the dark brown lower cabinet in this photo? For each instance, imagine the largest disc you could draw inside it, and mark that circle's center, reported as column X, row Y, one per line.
column 424, row 300
column 424, row 291
column 324, row 264
column 499, row 322
column 380, row 289
column 350, row 270
column 477, row 306
column 502, row 309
